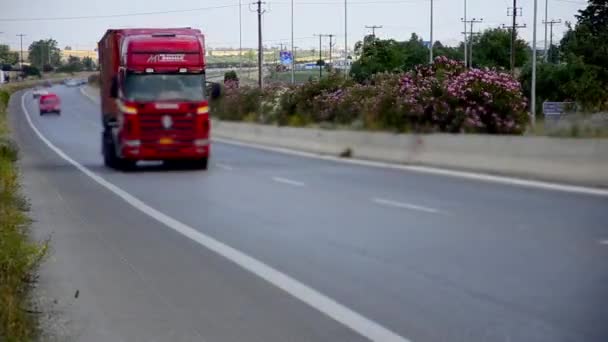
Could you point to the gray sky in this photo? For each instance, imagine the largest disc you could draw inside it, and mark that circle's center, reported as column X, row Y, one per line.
column 399, row 17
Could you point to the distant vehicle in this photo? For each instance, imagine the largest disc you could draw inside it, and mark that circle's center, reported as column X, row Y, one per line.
column 71, row 83
column 38, row 91
column 47, row 84
column 49, row 103
column 153, row 100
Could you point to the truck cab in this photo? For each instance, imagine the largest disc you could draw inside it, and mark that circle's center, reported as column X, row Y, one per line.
column 154, row 102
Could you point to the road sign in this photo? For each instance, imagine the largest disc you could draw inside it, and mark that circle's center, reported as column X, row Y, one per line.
column 286, row 57
column 557, row 108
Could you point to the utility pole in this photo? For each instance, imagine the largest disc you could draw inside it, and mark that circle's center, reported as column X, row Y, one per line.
column 21, row 35
column 373, row 28
column 319, row 62
column 472, row 34
column 464, row 20
column 533, row 95
column 240, row 36
column 550, row 23
column 320, row 56
column 331, row 45
column 259, row 11
column 472, row 22
column 517, row 12
column 345, row 38
column 546, row 21
column 431, row 43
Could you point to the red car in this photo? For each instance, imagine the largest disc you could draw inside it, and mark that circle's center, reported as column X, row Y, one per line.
column 50, row 103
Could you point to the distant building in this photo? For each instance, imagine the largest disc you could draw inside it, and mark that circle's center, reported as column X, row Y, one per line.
column 65, row 54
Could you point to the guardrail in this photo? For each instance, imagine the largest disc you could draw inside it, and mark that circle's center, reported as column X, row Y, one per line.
column 581, row 161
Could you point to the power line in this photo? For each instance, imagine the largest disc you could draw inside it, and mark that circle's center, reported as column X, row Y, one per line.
column 321, row 62
column 517, row 12
column 117, row 15
column 550, row 23
column 373, row 28
column 471, row 34
column 260, row 11
column 21, row 35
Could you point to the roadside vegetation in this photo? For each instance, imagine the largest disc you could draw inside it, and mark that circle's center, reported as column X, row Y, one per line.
column 392, row 88
column 443, row 97
column 19, row 256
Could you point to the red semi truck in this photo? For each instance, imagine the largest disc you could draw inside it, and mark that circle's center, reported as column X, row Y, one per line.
column 153, row 100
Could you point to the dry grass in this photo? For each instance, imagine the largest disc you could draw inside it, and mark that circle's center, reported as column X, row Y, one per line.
column 19, row 256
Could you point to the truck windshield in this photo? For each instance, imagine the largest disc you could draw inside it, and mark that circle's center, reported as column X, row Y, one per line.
column 165, row 87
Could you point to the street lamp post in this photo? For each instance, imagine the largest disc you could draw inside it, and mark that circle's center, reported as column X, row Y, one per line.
column 533, row 95
column 346, row 38
column 546, row 54
column 293, row 56
column 431, row 44
column 466, row 57
column 240, row 37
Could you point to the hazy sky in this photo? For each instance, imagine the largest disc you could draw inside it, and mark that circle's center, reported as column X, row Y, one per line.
column 221, row 25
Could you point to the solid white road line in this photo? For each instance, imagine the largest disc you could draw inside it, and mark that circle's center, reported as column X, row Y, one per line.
column 604, row 242
column 288, row 181
column 430, row 170
column 402, row 205
column 224, row 166
column 353, row 320
column 83, row 92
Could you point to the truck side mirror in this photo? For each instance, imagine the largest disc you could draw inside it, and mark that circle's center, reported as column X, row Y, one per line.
column 114, row 88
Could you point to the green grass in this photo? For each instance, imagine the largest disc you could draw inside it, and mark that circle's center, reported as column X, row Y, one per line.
column 573, row 130
column 301, row 76
column 19, row 256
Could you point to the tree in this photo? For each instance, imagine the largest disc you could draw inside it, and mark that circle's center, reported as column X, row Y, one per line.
column 415, row 52
column 589, row 38
column 455, row 53
column 74, row 64
column 379, row 55
column 88, row 63
column 28, row 70
column 493, row 49
column 7, row 56
column 44, row 52
column 584, row 48
column 553, row 54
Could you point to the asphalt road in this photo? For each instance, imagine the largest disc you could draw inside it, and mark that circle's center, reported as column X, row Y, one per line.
column 423, row 257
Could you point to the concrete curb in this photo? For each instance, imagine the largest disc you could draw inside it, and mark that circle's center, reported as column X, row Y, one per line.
column 577, row 161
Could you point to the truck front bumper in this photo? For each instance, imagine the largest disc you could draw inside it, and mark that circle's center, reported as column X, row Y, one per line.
column 165, row 152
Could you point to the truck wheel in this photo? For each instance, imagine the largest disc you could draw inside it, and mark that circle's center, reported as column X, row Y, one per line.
column 41, row 113
column 109, row 153
column 202, row 164
column 112, row 161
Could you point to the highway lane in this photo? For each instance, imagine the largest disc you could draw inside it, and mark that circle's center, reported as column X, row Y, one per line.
column 431, row 258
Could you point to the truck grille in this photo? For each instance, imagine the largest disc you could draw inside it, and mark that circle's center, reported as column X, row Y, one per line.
column 181, row 130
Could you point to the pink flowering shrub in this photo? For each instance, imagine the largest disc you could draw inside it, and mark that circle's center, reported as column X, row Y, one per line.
column 488, row 101
column 442, row 97
column 445, row 97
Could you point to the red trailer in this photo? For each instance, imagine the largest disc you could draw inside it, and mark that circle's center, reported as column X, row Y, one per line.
column 153, row 100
